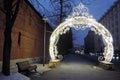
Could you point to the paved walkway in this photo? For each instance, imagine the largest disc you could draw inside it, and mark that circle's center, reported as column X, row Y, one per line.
column 76, row 67
column 73, row 67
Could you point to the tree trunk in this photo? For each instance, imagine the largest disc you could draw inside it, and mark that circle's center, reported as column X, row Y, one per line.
column 10, row 19
column 7, row 39
column 6, row 53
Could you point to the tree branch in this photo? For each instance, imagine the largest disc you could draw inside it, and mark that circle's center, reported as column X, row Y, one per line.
column 40, row 5
column 14, row 5
column 16, row 12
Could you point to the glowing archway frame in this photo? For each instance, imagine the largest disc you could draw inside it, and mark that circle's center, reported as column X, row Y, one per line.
column 89, row 22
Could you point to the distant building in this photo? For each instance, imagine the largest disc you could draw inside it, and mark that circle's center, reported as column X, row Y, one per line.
column 98, row 44
column 93, row 43
column 89, row 42
column 78, row 47
column 65, row 43
column 111, row 20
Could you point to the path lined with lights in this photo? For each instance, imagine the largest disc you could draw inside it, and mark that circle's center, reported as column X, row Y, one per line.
column 76, row 67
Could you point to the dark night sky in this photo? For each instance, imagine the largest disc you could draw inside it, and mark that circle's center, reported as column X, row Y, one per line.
column 97, row 8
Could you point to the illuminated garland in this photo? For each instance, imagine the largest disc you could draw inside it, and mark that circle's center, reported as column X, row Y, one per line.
column 80, row 19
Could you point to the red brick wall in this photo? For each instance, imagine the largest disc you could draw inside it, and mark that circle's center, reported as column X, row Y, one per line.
column 30, row 43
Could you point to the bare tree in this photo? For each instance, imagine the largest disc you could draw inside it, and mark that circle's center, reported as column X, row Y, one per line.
column 62, row 8
column 10, row 8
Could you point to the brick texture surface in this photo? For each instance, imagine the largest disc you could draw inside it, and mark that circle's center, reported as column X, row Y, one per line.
column 27, row 34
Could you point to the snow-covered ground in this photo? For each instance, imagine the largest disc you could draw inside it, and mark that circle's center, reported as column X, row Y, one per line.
column 17, row 76
column 14, row 76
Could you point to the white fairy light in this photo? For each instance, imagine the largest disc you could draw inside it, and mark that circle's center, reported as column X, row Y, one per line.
column 80, row 19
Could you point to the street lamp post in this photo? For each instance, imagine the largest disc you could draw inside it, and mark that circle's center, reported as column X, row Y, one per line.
column 44, row 55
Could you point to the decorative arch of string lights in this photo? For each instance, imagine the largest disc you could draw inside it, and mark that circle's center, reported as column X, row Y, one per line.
column 81, row 19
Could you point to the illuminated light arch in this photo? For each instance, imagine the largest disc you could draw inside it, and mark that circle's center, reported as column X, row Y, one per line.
column 80, row 19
